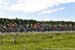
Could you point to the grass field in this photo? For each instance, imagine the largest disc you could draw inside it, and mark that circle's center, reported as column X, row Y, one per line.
column 38, row 41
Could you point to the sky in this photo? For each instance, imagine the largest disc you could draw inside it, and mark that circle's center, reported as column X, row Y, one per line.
column 41, row 10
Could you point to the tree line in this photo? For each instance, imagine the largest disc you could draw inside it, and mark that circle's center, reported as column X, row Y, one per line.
column 21, row 21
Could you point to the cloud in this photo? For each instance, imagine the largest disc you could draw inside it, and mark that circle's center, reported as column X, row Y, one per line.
column 35, row 5
column 50, row 11
column 3, row 2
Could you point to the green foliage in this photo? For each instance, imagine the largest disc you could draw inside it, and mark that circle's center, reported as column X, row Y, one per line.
column 37, row 41
column 21, row 21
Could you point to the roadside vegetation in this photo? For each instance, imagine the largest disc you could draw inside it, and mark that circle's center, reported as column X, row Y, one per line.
column 36, row 41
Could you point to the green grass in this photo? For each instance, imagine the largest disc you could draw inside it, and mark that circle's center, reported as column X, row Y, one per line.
column 37, row 41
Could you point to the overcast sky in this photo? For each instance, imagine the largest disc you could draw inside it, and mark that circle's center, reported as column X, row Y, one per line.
column 38, row 9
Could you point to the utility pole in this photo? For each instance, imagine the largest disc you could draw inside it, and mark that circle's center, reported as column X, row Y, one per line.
column 17, row 30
